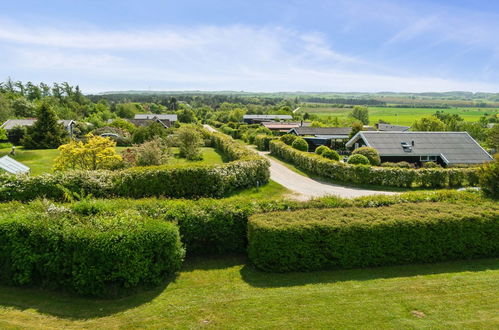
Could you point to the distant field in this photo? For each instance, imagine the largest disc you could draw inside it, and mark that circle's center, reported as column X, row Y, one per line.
column 400, row 116
column 41, row 161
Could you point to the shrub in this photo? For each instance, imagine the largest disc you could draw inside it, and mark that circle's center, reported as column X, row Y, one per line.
column 351, row 237
column 288, row 138
column 16, row 134
column 331, row 154
column 358, row 160
column 300, row 144
column 430, row 165
column 262, row 141
column 150, row 153
column 398, row 164
column 190, row 141
column 320, row 149
column 489, row 177
column 98, row 256
column 371, row 154
column 5, row 145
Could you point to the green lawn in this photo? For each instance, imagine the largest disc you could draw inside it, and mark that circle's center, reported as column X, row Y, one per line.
column 41, row 161
column 400, row 116
column 227, row 293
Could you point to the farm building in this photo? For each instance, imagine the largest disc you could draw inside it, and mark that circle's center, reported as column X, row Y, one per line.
column 445, row 148
column 257, row 119
column 392, row 128
column 11, row 123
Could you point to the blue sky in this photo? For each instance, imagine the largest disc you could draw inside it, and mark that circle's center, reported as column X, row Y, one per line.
column 335, row 45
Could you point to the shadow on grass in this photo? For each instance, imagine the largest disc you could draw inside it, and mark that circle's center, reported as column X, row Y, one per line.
column 213, row 262
column 260, row 279
column 73, row 307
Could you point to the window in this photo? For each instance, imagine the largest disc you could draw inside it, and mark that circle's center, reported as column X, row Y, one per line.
column 428, row 158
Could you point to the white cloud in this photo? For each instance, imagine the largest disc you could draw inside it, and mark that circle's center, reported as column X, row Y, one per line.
column 211, row 58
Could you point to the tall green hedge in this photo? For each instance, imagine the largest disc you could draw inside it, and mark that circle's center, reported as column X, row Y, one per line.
column 245, row 170
column 311, row 239
column 98, row 256
column 262, row 141
column 382, row 176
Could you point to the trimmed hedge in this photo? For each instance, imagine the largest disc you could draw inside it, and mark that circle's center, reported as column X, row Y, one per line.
column 245, row 170
column 370, row 153
column 300, row 144
column 351, row 237
column 381, row 176
column 98, row 256
column 358, row 159
column 262, row 141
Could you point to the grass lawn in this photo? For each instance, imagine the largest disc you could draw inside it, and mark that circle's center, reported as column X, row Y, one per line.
column 41, row 161
column 400, row 116
column 227, row 293
column 271, row 190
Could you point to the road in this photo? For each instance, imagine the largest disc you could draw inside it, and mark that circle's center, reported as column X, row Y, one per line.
column 305, row 188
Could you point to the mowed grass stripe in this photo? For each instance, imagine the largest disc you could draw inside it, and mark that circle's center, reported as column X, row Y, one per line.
column 227, row 293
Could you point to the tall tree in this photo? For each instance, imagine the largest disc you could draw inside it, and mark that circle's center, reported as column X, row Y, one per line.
column 428, row 124
column 361, row 113
column 46, row 133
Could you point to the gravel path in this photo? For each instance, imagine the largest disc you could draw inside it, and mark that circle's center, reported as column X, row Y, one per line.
column 305, row 188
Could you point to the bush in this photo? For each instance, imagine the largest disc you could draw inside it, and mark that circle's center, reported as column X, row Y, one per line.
column 371, row 154
column 331, row 154
column 245, row 170
column 358, row 160
column 489, row 177
column 16, row 134
column 190, row 142
column 351, row 237
column 320, row 149
column 430, row 165
column 97, row 256
column 288, row 138
column 149, row 153
column 300, row 144
column 262, row 141
column 381, row 176
column 398, row 164
column 5, row 145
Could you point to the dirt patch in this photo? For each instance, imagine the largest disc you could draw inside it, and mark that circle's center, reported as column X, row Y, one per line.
column 418, row 314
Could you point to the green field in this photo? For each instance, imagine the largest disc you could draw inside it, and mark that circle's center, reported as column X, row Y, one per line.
column 398, row 116
column 227, row 293
column 41, row 161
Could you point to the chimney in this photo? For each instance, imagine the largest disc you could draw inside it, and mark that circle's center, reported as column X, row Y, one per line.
column 412, row 143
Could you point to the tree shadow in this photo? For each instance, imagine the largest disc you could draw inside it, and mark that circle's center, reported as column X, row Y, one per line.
column 261, row 279
column 73, row 307
column 213, row 262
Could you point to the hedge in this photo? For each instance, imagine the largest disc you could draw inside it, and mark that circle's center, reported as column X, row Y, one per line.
column 99, row 256
column 245, row 170
column 352, row 237
column 382, row 176
column 262, row 141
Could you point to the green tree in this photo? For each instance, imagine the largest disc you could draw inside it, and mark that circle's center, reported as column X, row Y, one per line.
column 46, row 133
column 190, row 141
column 356, row 128
column 124, row 125
column 489, row 177
column 186, row 115
column 16, row 134
column 428, row 124
column 493, row 137
column 360, row 113
column 3, row 134
column 23, row 108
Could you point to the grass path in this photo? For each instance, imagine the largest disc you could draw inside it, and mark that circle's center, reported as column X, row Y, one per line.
column 227, row 293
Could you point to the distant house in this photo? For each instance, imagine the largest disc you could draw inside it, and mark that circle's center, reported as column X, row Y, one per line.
column 284, row 127
column 11, row 123
column 12, row 166
column 161, row 116
column 392, row 128
column 257, row 119
column 445, row 148
column 147, row 122
column 320, row 136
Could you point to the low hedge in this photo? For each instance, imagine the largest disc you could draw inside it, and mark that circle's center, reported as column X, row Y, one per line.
column 98, row 256
column 262, row 141
column 245, row 170
column 315, row 239
column 382, row 176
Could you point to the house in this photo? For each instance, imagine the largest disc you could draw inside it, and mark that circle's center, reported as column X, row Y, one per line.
column 162, row 116
column 392, row 128
column 257, row 119
column 284, row 127
column 445, row 148
column 11, row 123
column 319, row 136
column 147, row 122
column 12, row 166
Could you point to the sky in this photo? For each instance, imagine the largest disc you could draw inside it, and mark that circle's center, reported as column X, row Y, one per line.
column 257, row 46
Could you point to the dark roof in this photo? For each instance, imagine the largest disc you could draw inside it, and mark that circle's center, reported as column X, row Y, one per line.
column 394, row 128
column 161, row 116
column 322, row 130
column 452, row 147
column 148, row 122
